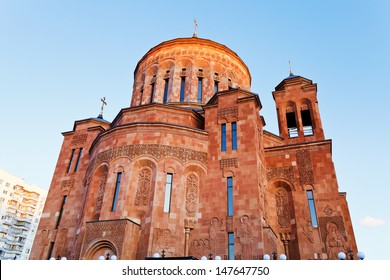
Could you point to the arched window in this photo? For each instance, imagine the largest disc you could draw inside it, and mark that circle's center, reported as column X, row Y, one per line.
column 292, row 126
column 306, row 118
column 166, row 87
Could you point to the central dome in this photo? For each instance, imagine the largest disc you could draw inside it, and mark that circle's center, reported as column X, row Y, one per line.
column 187, row 72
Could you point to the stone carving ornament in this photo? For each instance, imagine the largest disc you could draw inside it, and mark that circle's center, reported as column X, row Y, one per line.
column 333, row 234
column 329, row 210
column 334, row 242
column 245, row 235
column 192, row 194
column 66, row 186
column 228, row 162
column 143, row 190
column 163, row 239
column 100, row 195
column 200, row 247
column 155, row 150
column 113, row 231
column 305, row 167
column 282, row 207
column 307, row 230
column 285, row 172
column 217, row 236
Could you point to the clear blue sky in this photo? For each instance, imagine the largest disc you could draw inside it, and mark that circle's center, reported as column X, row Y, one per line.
column 58, row 58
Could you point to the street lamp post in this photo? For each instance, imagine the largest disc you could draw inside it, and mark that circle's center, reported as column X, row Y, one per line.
column 58, row 258
column 283, row 257
column 341, row 256
column 361, row 255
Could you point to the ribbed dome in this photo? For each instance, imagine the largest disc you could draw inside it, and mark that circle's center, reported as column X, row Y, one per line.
column 187, row 72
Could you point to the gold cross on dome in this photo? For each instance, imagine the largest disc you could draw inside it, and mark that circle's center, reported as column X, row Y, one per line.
column 289, row 63
column 195, row 28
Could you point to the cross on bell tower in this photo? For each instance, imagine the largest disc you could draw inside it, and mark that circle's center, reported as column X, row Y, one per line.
column 103, row 100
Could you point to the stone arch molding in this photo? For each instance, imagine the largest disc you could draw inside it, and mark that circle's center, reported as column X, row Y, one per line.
column 280, row 192
column 290, row 186
column 284, row 174
column 156, row 151
column 100, row 248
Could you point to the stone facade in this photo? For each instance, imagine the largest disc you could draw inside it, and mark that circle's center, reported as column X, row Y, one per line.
column 189, row 170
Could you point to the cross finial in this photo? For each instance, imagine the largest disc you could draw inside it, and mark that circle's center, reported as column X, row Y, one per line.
column 195, row 28
column 103, row 100
column 291, row 73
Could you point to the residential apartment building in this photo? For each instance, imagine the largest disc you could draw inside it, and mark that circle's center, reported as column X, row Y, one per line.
column 21, row 206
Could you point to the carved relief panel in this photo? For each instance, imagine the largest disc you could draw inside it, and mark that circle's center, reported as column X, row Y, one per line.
column 217, row 236
column 305, row 167
column 333, row 235
column 100, row 194
column 245, row 236
column 143, row 189
column 163, row 239
column 285, row 172
column 282, row 207
column 66, row 186
column 192, row 188
column 200, row 247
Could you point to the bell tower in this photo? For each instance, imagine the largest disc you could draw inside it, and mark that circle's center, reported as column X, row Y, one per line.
column 297, row 110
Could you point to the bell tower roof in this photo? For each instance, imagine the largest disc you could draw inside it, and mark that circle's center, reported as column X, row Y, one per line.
column 291, row 80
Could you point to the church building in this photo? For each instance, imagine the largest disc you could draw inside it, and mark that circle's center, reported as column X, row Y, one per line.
column 188, row 170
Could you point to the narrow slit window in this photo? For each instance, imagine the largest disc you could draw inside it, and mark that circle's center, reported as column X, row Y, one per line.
column 306, row 123
column 168, row 193
column 70, row 161
column 182, row 88
column 230, row 209
column 216, row 83
column 231, row 245
column 234, row 136
column 152, row 92
column 141, row 96
column 78, row 160
column 166, row 91
column 223, row 137
column 230, row 85
column 291, row 125
column 116, row 193
column 50, row 250
column 200, row 89
column 312, row 208
column 61, row 210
